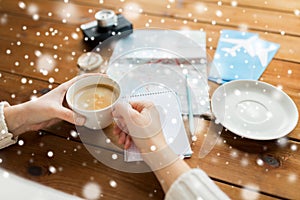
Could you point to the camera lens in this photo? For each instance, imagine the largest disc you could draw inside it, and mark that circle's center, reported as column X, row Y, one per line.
column 106, row 18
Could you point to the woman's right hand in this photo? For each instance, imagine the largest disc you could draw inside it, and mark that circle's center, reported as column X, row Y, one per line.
column 140, row 122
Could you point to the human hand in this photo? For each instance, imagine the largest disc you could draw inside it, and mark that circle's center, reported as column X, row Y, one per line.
column 140, row 122
column 42, row 112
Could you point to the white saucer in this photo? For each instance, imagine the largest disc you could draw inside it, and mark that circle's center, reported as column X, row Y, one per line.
column 254, row 109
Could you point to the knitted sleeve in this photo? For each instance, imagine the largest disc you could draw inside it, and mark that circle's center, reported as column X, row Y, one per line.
column 6, row 138
column 195, row 185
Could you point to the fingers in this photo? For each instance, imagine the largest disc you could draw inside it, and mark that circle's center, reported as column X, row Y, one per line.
column 117, row 130
column 141, row 105
column 122, row 138
column 129, row 114
column 127, row 142
column 69, row 116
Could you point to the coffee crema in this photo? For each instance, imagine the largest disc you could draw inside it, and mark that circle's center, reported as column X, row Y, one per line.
column 95, row 97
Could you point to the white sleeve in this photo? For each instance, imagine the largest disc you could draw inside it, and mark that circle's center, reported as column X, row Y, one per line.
column 6, row 138
column 195, row 185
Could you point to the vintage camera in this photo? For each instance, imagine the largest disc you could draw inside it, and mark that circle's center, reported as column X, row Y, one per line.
column 107, row 24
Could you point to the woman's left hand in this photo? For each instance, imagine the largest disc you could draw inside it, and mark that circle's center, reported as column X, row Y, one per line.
column 42, row 112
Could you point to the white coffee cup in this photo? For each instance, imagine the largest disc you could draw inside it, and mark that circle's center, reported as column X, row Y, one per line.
column 95, row 118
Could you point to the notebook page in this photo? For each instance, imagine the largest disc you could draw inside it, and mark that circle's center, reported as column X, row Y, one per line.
column 153, row 56
column 172, row 124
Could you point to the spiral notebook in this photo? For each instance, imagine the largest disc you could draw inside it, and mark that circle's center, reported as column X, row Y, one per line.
column 174, row 131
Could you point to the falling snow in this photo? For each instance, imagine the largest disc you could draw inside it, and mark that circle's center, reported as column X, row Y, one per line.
column 259, row 162
column 73, row 133
column 292, row 177
column 21, row 142
column 250, row 192
column 282, row 142
column 294, row 147
column 153, row 148
column 46, row 63
column 52, row 169
column 50, row 154
column 22, row 5
column 234, row 3
column 51, row 80
column 91, row 191
column 114, row 156
column 113, row 183
column 32, row 9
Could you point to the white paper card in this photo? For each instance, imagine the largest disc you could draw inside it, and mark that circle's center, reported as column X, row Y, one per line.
column 171, row 120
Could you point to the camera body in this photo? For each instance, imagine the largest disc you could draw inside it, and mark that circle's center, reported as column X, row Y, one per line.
column 107, row 24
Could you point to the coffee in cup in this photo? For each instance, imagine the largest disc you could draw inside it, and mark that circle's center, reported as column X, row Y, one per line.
column 94, row 97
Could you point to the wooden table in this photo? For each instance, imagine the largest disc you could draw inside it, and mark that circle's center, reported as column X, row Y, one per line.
column 244, row 169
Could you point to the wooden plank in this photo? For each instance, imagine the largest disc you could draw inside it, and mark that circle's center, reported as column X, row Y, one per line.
column 17, row 89
column 244, row 193
column 45, row 32
column 289, row 6
column 37, row 62
column 280, row 70
column 256, row 19
column 263, row 177
column 271, row 167
column 62, row 130
column 75, row 168
column 264, row 166
column 288, row 50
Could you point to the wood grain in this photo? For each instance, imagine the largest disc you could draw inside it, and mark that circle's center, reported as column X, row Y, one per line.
column 262, row 170
column 254, row 19
column 288, row 6
column 288, row 51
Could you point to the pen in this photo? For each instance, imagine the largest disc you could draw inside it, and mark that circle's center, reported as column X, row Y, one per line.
column 190, row 108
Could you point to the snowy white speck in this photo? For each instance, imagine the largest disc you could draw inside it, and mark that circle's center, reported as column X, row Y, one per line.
column 50, row 154
column 51, row 80
column 153, row 148
column 282, row 142
column 22, row 5
column 219, row 13
column 23, row 80
column 259, row 162
column 73, row 133
column 292, row 177
column 113, row 183
column 35, row 17
column 250, row 192
column 91, row 191
column 21, row 142
column 294, row 147
column 52, row 169
column 114, row 156
column 234, row 3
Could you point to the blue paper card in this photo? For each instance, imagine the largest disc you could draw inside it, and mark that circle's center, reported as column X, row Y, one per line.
column 241, row 55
